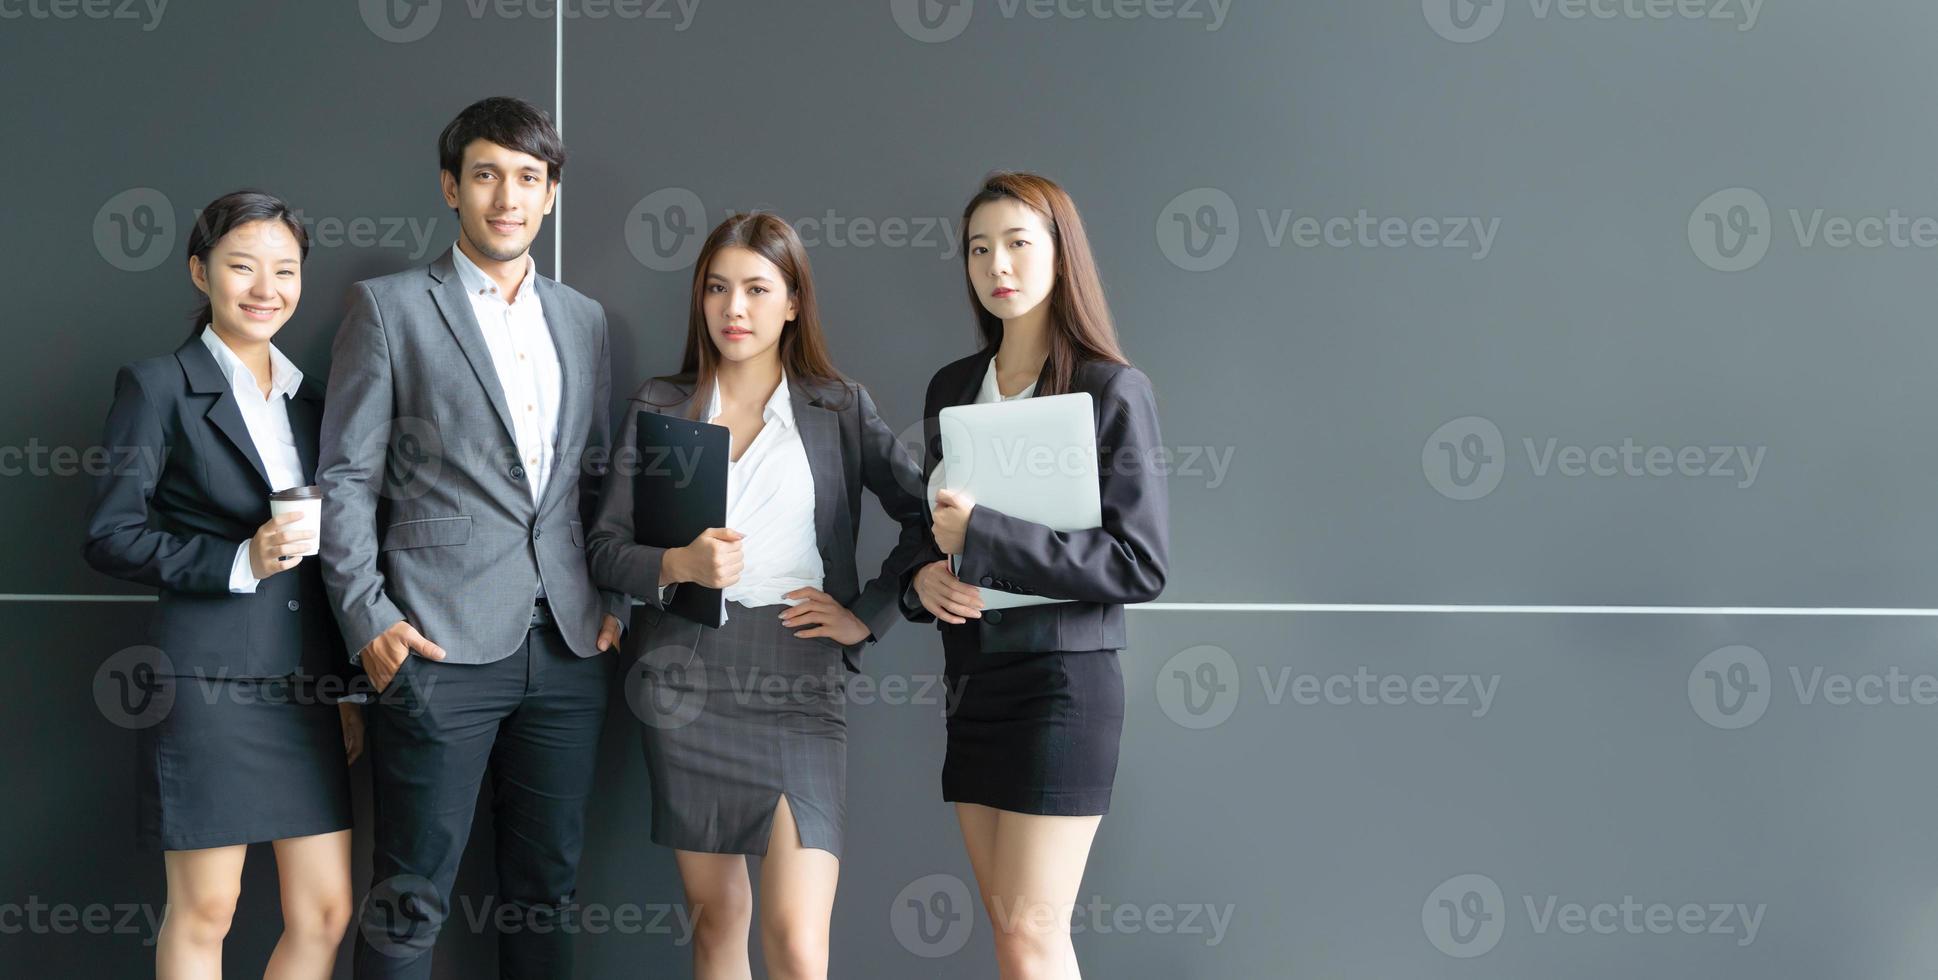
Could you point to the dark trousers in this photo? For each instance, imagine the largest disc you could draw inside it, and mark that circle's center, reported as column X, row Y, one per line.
column 531, row 721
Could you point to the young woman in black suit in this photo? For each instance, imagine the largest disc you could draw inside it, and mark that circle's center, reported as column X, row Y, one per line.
column 248, row 750
column 740, row 767
column 1032, row 747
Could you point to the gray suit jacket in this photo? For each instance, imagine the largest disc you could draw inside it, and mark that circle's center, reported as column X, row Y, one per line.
column 848, row 446
column 427, row 515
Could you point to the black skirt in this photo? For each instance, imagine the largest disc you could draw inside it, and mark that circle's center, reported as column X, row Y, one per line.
column 237, row 761
column 1036, row 734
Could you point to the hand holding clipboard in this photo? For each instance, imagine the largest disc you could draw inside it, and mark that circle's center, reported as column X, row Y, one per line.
column 679, row 496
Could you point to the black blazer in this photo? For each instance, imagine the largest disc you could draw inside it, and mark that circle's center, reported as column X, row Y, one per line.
column 1102, row 569
column 184, row 489
column 849, row 448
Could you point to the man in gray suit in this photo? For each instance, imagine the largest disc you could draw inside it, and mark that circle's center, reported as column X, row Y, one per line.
column 464, row 430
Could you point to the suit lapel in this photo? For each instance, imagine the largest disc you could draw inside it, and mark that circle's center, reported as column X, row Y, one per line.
column 305, row 418
column 225, row 413
column 821, row 437
column 456, row 307
column 973, row 384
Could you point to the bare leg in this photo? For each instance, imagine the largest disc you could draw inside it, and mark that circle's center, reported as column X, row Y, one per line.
column 796, row 902
column 1035, row 871
column 202, row 888
column 979, row 839
column 722, row 902
column 315, row 875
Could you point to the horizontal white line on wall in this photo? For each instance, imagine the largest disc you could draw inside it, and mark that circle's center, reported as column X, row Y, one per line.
column 1380, row 607
column 1330, row 607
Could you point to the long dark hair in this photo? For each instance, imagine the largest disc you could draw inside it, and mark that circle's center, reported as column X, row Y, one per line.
column 227, row 213
column 804, row 351
column 1080, row 324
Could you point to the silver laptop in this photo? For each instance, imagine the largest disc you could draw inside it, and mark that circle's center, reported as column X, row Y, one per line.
column 1033, row 458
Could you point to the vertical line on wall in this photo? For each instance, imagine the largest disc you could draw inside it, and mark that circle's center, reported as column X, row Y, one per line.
column 558, row 121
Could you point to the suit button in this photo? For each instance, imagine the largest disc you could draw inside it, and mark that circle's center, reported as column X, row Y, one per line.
column 993, row 616
column 294, row 605
column 988, row 580
column 517, row 472
column 536, row 533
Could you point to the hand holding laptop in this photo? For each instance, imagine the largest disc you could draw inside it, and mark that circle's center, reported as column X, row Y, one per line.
column 1033, row 459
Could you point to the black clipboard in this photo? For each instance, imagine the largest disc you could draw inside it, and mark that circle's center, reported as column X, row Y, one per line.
column 680, row 490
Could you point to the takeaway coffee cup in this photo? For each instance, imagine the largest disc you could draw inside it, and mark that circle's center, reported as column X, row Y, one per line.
column 307, row 501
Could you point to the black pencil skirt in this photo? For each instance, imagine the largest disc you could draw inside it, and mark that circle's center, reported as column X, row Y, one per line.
column 1035, row 734
column 237, row 761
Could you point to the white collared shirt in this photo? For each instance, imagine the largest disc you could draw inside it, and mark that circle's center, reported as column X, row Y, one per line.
column 267, row 420
column 990, row 392
column 770, row 500
column 527, row 362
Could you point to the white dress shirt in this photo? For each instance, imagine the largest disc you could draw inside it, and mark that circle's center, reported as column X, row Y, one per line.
column 991, row 393
column 521, row 348
column 267, row 420
column 770, row 500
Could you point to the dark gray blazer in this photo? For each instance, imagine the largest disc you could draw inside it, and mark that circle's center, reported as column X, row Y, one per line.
column 184, row 488
column 848, row 446
column 427, row 515
column 1102, row 569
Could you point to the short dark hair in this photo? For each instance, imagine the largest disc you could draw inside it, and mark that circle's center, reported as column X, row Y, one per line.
column 509, row 122
column 229, row 212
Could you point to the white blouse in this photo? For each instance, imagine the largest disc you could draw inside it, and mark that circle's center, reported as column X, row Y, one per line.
column 770, row 500
column 991, row 393
column 267, row 420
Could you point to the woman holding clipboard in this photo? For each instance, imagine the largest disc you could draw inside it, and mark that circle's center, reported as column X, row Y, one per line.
column 1032, row 747
column 745, row 734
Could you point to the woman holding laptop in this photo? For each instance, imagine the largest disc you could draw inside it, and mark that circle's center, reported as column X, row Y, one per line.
column 1032, row 741
column 745, row 732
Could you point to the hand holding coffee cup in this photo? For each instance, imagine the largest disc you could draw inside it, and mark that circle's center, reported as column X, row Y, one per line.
column 292, row 531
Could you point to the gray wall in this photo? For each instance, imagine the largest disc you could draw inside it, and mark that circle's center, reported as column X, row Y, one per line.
column 1409, row 413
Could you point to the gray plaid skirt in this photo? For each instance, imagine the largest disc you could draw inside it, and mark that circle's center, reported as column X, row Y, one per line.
column 732, row 720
